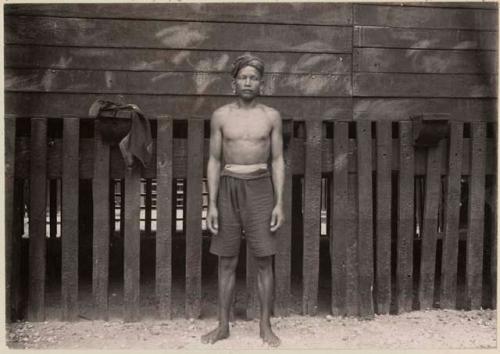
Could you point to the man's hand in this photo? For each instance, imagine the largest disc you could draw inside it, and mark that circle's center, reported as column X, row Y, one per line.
column 212, row 220
column 277, row 218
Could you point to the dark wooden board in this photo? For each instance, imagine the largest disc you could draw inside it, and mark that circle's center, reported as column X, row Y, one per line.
column 465, row 110
column 69, row 227
column 11, row 244
column 383, row 215
column 475, row 218
column 459, row 5
column 423, row 85
column 164, row 198
column 180, row 107
column 137, row 59
column 448, row 296
column 424, row 61
column 389, row 37
column 169, row 83
column 425, row 17
column 339, row 215
column 101, row 227
column 132, row 238
column 193, row 218
column 53, row 186
column 317, row 13
column 312, row 208
column 352, row 261
column 430, row 226
column 37, row 215
column 179, row 157
column 406, row 231
column 494, row 242
column 365, row 219
column 282, row 259
column 176, row 35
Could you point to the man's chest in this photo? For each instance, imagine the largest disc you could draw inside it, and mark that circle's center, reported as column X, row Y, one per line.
column 246, row 128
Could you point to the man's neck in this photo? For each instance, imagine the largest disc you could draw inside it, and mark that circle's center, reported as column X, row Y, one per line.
column 246, row 104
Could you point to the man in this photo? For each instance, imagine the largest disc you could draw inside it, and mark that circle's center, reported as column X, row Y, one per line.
column 244, row 194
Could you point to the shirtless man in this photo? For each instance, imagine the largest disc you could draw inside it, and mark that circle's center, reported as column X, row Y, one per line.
column 244, row 194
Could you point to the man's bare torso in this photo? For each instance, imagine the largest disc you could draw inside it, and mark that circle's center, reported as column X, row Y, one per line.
column 245, row 133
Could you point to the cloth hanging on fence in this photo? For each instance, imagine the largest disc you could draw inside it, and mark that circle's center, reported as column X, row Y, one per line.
column 135, row 140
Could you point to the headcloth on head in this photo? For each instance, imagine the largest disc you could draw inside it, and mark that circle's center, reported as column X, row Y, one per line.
column 247, row 60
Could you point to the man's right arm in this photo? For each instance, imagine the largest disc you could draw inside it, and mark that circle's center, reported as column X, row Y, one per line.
column 213, row 172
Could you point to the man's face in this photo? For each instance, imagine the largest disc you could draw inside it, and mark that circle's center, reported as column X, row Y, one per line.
column 247, row 83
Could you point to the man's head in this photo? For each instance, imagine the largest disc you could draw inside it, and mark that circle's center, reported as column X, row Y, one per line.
column 248, row 71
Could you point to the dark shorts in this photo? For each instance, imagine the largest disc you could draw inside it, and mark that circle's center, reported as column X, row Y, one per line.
column 245, row 204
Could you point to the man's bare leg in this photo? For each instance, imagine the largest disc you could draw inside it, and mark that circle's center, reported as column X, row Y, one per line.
column 227, row 268
column 265, row 286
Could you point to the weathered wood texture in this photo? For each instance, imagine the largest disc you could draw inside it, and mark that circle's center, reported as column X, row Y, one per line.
column 365, row 219
column 283, row 259
column 383, row 214
column 179, row 158
column 312, row 208
column 451, row 219
column 193, row 218
column 11, row 244
column 131, row 269
column 475, row 218
column 169, row 83
column 37, row 215
column 406, row 227
column 339, row 216
column 101, row 227
column 430, row 226
column 149, row 34
column 293, row 13
column 69, row 227
column 352, row 261
column 164, row 205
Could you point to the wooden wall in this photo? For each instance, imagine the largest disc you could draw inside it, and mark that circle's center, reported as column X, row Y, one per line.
column 324, row 61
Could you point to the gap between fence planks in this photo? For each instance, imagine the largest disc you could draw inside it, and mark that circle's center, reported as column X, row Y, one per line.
column 448, row 295
column 69, row 227
column 132, row 243
column 339, row 215
column 383, row 211
column 164, row 201
column 194, row 188
column 475, row 232
column 494, row 226
column 406, row 208
column 101, row 227
column 11, row 243
column 37, row 242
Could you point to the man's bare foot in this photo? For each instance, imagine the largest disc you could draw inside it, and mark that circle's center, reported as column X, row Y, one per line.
column 268, row 336
column 221, row 332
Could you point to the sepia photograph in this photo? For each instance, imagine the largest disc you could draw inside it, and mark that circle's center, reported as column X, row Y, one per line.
column 250, row 175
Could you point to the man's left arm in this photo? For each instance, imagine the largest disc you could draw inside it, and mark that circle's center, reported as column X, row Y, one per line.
column 278, row 172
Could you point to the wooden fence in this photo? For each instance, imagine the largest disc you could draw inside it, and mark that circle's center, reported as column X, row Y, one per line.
column 378, row 223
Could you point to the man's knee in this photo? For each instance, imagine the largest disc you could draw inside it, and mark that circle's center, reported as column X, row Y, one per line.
column 228, row 264
column 264, row 264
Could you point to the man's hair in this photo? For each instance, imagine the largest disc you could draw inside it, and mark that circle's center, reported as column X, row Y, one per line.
column 247, row 59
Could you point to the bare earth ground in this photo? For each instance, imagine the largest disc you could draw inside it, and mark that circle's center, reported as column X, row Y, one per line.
column 436, row 329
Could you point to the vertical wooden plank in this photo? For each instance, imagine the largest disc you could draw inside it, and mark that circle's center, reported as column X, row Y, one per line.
column 312, row 209
column 101, row 227
column 193, row 217
column 11, row 244
column 69, row 227
column 251, row 285
column 352, row 268
column 283, row 260
column 475, row 233
column 164, row 203
column 339, row 207
column 494, row 226
column 384, row 211
column 430, row 225
column 38, row 202
column 448, row 294
column 406, row 208
column 132, row 243
column 365, row 218
column 148, row 205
